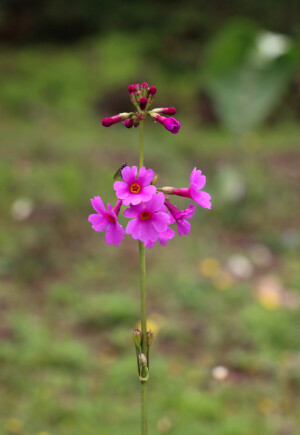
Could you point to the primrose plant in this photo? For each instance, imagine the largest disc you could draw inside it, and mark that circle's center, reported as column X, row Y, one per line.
column 150, row 212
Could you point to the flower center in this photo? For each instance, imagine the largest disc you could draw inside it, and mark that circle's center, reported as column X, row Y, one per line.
column 145, row 215
column 135, row 188
column 110, row 218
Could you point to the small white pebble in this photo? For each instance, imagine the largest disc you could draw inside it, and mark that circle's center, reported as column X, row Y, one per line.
column 240, row 266
column 21, row 209
column 220, row 373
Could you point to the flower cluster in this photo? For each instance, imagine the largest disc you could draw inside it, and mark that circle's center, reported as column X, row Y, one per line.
column 149, row 209
column 150, row 212
column 142, row 97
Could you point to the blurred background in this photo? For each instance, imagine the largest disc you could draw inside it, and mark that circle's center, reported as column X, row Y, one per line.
column 226, row 354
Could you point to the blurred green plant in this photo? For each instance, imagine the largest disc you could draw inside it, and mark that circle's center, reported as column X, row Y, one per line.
column 246, row 71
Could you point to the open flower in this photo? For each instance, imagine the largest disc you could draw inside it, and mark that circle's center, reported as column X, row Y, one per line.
column 133, row 190
column 107, row 220
column 181, row 216
column 194, row 191
column 148, row 222
column 170, row 124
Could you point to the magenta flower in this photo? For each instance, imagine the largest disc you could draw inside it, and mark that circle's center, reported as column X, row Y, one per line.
column 181, row 216
column 197, row 182
column 107, row 220
column 147, row 220
column 170, row 124
column 133, row 189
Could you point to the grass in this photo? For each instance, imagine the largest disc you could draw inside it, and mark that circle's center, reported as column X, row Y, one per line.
column 68, row 301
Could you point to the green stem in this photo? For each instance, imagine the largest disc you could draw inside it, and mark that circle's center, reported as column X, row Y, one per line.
column 143, row 304
column 141, row 127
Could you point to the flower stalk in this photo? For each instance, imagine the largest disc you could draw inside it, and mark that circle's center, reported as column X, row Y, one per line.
column 148, row 209
column 142, row 258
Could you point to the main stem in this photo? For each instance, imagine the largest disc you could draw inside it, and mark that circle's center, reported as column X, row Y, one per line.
column 143, row 302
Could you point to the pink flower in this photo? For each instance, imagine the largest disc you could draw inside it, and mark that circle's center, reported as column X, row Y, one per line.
column 170, row 124
column 133, row 189
column 197, row 182
column 148, row 222
column 107, row 220
column 180, row 216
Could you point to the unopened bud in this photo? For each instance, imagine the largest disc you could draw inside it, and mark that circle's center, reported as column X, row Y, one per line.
column 149, row 338
column 145, row 85
column 155, row 179
column 128, row 123
column 169, row 110
column 136, row 123
column 143, row 103
column 143, row 360
column 131, row 89
column 152, row 90
column 107, row 122
column 137, row 337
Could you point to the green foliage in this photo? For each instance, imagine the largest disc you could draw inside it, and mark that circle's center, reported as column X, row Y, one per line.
column 68, row 301
column 245, row 76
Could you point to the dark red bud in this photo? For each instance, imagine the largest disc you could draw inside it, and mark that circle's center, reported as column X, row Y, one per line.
column 131, row 89
column 145, row 85
column 143, row 102
column 152, row 90
column 128, row 123
column 107, row 122
column 169, row 111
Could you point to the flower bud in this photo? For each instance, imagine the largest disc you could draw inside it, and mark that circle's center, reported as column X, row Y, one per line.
column 137, row 337
column 152, row 91
column 155, row 179
column 143, row 103
column 145, row 85
column 107, row 122
column 136, row 123
column 143, row 360
column 149, row 338
column 128, row 123
column 131, row 89
column 169, row 111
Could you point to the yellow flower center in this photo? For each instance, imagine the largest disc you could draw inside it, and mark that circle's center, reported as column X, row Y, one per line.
column 145, row 215
column 135, row 188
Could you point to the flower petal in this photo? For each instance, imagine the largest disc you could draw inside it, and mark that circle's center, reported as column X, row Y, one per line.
column 133, row 211
column 145, row 176
column 160, row 221
column 121, row 189
column 129, row 173
column 198, row 179
column 134, row 228
column 155, row 203
column 99, row 223
column 166, row 236
column 184, row 227
column 98, row 205
column 147, row 193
